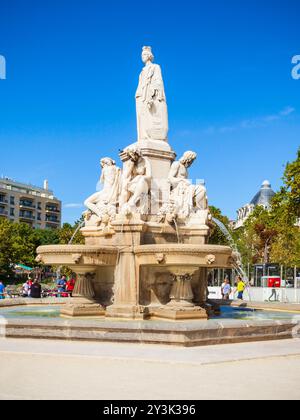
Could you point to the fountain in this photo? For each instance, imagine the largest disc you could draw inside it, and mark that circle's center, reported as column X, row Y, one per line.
column 238, row 258
column 146, row 251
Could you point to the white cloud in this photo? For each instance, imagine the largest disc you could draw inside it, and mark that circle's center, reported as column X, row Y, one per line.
column 251, row 123
column 73, row 206
column 287, row 111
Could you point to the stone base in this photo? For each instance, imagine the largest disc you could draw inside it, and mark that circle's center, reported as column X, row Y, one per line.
column 83, row 308
column 126, row 312
column 179, row 314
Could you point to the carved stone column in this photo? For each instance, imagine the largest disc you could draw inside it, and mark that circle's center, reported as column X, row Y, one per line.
column 84, row 286
column 125, row 301
column 181, row 305
column 182, row 293
column 83, row 302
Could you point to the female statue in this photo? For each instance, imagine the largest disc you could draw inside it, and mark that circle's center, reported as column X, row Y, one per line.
column 151, row 105
column 108, row 196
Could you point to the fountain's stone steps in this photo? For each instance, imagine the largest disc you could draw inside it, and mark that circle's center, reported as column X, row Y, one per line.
column 186, row 334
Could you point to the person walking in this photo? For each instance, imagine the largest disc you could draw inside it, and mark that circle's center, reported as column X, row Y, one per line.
column 2, row 291
column 240, row 288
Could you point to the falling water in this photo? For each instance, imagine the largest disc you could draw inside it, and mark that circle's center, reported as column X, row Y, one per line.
column 239, row 266
column 177, row 230
column 75, row 233
column 58, row 271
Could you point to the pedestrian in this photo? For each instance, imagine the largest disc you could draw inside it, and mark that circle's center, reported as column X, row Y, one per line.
column 36, row 290
column 227, row 290
column 240, row 288
column 70, row 286
column 2, row 291
column 222, row 287
column 273, row 295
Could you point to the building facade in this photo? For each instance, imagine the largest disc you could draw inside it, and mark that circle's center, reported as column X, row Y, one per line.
column 28, row 204
column 262, row 198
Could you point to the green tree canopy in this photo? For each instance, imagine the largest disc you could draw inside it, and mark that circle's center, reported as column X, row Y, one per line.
column 272, row 235
column 19, row 241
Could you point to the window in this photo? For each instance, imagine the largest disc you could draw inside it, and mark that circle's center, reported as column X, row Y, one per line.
column 27, row 203
column 12, row 200
column 2, row 198
column 12, row 212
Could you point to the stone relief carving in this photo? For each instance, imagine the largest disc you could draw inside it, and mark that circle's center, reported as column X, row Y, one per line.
column 76, row 258
column 210, row 259
column 39, row 259
column 162, row 287
column 151, row 105
column 160, row 258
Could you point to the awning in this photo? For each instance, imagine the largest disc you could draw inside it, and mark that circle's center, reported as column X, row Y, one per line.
column 23, row 267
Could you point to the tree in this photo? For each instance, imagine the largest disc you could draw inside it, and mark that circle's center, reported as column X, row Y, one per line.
column 292, row 185
column 272, row 235
column 6, row 246
column 19, row 241
column 66, row 233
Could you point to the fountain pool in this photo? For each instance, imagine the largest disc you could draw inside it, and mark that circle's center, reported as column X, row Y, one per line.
column 227, row 313
column 234, row 325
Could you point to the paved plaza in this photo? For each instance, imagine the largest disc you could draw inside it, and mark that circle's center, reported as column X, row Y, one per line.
column 37, row 369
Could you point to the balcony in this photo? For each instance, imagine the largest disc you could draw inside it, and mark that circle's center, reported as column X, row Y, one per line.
column 26, row 216
column 52, row 208
column 52, row 220
column 25, row 205
column 3, row 213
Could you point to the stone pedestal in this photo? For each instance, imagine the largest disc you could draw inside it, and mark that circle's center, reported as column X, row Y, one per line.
column 161, row 156
column 126, row 289
column 83, row 302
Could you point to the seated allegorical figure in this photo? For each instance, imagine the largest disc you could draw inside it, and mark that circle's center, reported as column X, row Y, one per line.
column 105, row 201
column 136, row 178
column 186, row 197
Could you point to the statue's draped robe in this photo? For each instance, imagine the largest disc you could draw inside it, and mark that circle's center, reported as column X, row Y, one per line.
column 152, row 112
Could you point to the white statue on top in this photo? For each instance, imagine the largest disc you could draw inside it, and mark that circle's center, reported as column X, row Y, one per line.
column 104, row 202
column 151, row 105
column 186, row 197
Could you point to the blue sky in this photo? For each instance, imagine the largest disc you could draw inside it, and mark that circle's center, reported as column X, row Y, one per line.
column 72, row 71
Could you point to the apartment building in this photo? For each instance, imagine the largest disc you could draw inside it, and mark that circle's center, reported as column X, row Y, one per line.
column 29, row 204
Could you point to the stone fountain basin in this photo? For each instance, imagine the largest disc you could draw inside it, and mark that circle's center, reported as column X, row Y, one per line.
column 212, row 256
column 78, row 255
column 182, row 255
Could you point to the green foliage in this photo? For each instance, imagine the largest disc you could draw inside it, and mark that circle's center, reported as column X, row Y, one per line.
column 272, row 236
column 18, row 243
column 66, row 233
column 292, row 184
